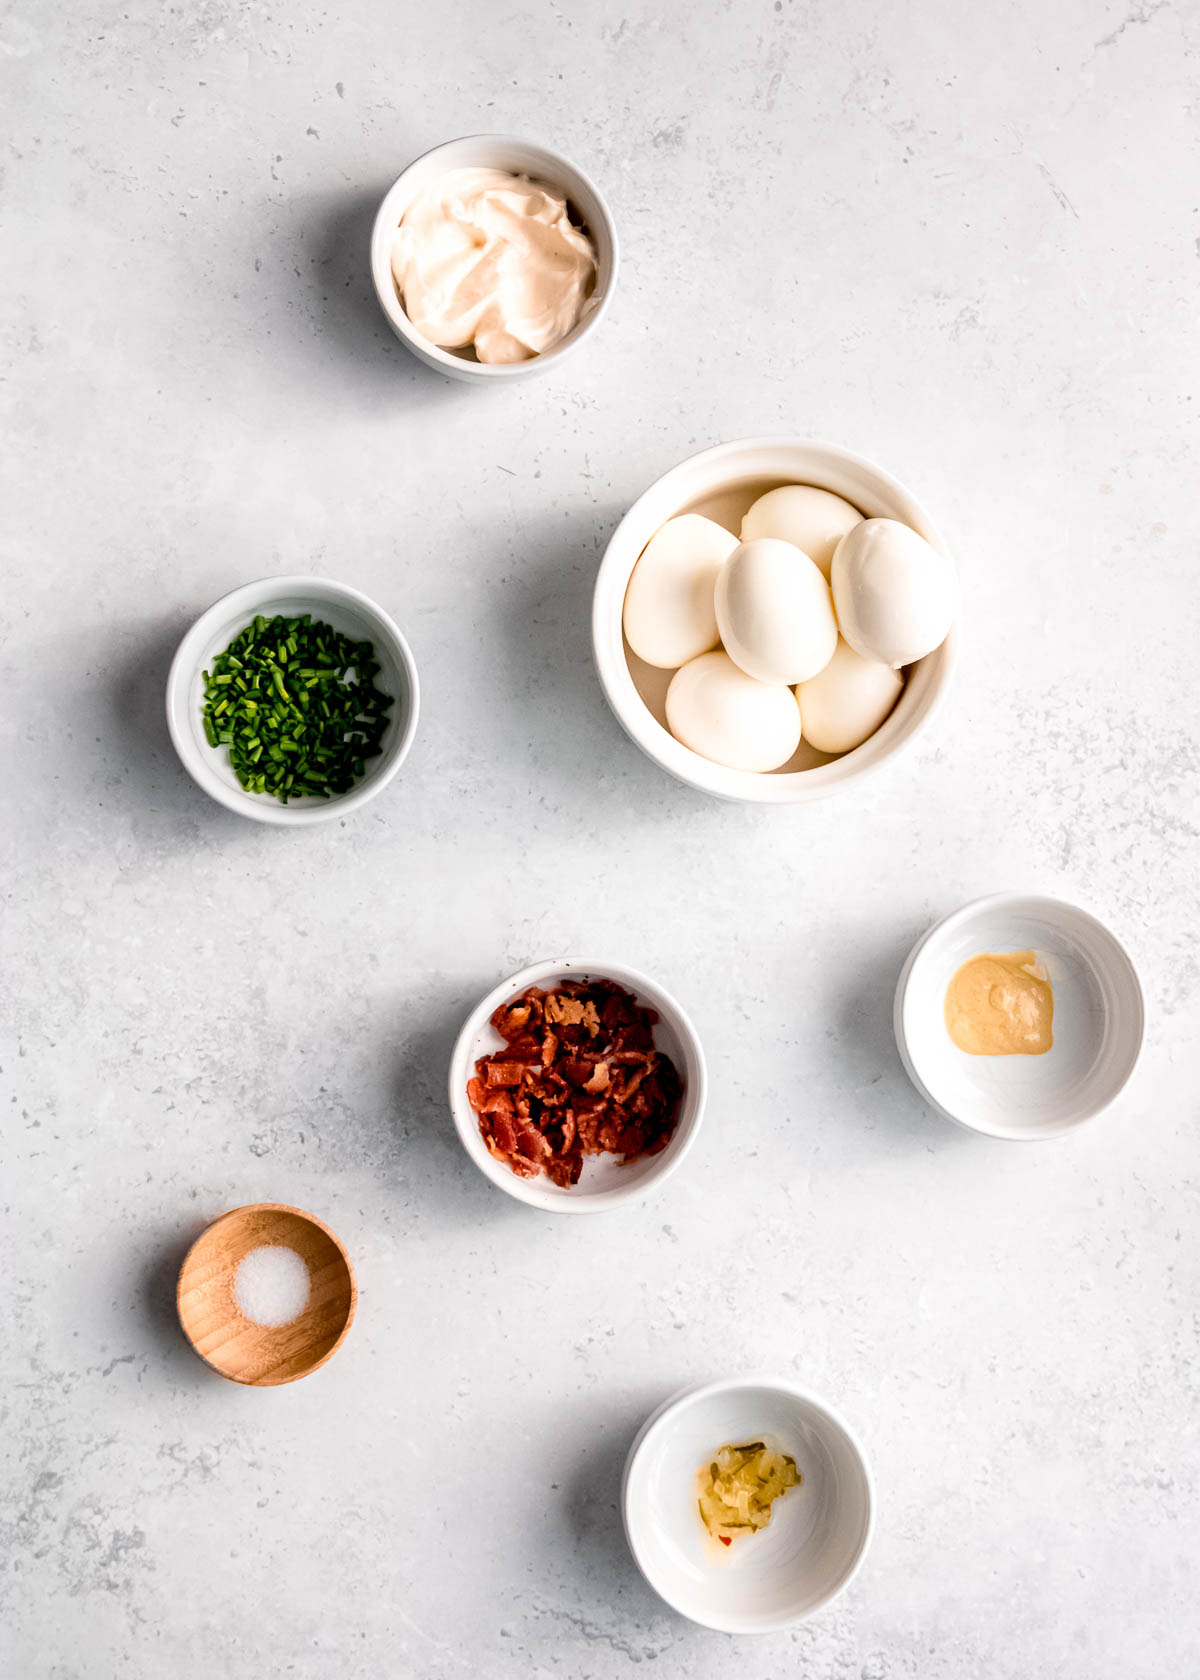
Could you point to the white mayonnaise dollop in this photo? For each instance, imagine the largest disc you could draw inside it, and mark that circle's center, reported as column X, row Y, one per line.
column 487, row 258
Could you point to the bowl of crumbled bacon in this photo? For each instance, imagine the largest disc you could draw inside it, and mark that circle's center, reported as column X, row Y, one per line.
column 576, row 1085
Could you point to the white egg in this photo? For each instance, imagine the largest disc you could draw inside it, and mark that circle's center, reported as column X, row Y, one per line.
column 815, row 520
column 847, row 701
column 719, row 712
column 774, row 612
column 669, row 614
column 896, row 596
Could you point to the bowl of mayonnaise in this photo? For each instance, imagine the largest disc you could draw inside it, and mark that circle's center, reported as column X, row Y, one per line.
column 493, row 257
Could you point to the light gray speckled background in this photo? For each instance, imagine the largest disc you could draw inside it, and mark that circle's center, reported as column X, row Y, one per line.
column 962, row 240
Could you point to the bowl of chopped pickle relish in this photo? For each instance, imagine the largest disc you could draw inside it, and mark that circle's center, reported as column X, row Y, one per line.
column 748, row 1503
column 293, row 700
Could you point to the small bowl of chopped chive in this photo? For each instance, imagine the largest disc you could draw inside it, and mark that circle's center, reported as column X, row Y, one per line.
column 292, row 700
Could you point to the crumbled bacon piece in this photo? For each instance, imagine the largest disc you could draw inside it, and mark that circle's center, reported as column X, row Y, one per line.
column 593, row 1084
column 504, row 1073
column 599, row 1080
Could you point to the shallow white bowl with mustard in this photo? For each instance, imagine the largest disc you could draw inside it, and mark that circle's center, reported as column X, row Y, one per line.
column 1019, row 1016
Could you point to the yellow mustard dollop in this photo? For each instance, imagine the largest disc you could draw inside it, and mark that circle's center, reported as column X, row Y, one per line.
column 1001, row 1003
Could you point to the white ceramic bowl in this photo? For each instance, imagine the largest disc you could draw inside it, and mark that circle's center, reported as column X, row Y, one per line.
column 346, row 610
column 818, row 1534
column 519, row 157
column 1099, row 1019
column 605, row 1181
column 722, row 483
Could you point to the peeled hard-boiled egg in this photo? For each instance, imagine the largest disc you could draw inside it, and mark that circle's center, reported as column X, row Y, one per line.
column 847, row 701
column 815, row 520
column 774, row 612
column 719, row 712
column 896, row 596
column 669, row 615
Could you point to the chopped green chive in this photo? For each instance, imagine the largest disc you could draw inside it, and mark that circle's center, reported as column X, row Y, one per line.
column 313, row 743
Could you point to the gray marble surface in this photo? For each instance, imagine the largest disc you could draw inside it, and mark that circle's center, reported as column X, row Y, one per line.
column 962, row 241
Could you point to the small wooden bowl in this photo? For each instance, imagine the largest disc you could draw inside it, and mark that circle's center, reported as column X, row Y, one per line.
column 260, row 1355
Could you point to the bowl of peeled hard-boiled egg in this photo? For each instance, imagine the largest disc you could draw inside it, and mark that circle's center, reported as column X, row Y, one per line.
column 773, row 619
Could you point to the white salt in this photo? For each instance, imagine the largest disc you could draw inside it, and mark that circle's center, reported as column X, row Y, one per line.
column 271, row 1285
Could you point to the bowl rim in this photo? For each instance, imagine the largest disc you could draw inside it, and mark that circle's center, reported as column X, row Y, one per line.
column 433, row 354
column 1001, row 901
column 693, row 1392
column 184, row 664
column 643, row 729
column 531, row 1191
column 268, row 1207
